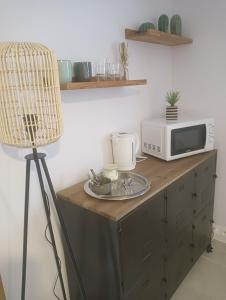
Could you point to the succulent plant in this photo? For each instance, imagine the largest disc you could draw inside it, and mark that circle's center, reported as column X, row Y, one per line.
column 172, row 97
column 175, row 25
column 163, row 23
column 145, row 26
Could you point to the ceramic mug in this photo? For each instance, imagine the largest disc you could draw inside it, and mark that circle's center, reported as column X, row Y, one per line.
column 65, row 71
column 83, row 71
column 111, row 171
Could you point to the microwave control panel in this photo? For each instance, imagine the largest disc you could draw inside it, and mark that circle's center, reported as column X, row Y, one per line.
column 152, row 139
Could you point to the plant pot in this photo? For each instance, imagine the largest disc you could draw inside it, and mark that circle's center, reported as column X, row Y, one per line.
column 171, row 113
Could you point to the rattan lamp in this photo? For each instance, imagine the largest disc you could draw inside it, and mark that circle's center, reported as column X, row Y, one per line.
column 31, row 116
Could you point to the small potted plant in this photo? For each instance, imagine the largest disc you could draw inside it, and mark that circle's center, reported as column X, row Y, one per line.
column 172, row 98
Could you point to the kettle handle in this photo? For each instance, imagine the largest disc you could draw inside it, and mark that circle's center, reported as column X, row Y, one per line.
column 137, row 141
column 134, row 152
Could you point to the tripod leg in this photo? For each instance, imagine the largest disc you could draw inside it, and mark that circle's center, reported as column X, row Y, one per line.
column 82, row 290
column 26, row 208
column 49, row 223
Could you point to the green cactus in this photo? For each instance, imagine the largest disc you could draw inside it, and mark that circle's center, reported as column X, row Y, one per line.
column 175, row 25
column 163, row 23
column 146, row 26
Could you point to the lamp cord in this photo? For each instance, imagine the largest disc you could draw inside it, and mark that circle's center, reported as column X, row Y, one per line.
column 48, row 240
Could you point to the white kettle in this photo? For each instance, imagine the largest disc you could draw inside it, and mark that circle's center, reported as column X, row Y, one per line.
column 124, row 148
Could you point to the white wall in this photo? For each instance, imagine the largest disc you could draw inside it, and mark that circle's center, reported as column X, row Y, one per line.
column 199, row 71
column 80, row 30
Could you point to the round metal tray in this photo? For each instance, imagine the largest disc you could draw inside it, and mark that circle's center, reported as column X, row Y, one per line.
column 129, row 185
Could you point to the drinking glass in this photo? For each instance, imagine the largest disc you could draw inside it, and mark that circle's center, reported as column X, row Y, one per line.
column 65, row 71
column 100, row 71
column 115, row 71
column 83, row 71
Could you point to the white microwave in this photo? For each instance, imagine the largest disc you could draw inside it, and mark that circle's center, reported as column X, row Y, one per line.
column 170, row 140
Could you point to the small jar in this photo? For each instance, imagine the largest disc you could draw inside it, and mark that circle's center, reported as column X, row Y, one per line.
column 111, row 171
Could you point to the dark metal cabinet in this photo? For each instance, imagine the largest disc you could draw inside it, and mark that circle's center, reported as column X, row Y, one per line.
column 147, row 253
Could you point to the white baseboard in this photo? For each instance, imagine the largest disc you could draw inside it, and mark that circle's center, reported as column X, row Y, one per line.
column 219, row 233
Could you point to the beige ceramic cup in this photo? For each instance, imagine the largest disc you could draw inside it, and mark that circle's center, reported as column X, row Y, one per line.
column 111, row 171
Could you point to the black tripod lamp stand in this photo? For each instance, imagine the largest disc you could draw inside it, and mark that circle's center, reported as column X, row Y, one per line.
column 31, row 116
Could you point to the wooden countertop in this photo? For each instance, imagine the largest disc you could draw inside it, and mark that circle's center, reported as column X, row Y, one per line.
column 160, row 173
column 2, row 294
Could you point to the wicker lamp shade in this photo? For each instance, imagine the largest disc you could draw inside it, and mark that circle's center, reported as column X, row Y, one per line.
column 30, row 102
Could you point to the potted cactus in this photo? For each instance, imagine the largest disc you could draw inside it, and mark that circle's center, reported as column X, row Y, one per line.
column 163, row 23
column 175, row 25
column 172, row 98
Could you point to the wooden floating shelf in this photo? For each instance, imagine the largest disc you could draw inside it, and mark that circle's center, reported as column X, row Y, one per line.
column 157, row 37
column 101, row 84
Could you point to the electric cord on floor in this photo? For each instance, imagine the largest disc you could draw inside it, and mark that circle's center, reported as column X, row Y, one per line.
column 48, row 240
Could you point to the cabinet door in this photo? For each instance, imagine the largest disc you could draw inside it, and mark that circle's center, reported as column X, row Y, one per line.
column 204, row 184
column 149, row 286
column 141, row 243
column 179, row 209
column 179, row 231
column 202, row 230
column 178, row 261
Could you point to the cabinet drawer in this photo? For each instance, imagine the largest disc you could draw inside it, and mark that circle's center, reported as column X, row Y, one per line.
column 141, row 240
column 204, row 184
column 179, row 207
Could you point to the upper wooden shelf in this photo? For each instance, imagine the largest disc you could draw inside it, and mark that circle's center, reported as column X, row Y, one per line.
column 157, row 37
column 101, row 84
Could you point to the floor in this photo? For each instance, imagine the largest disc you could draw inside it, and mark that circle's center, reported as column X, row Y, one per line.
column 207, row 279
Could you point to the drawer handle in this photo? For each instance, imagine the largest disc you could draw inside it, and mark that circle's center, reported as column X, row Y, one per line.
column 206, row 168
column 146, row 283
column 164, row 280
column 181, row 188
column 181, row 244
column 204, row 218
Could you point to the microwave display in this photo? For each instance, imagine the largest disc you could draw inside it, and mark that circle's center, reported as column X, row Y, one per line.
column 188, row 139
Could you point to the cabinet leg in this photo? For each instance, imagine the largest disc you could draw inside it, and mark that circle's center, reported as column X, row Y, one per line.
column 209, row 248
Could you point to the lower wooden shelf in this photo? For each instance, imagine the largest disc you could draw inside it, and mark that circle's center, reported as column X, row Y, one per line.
column 101, row 84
